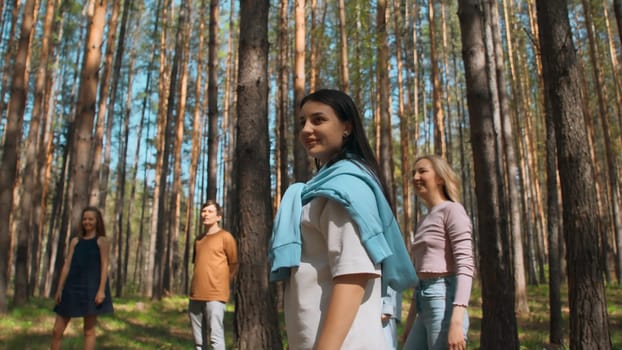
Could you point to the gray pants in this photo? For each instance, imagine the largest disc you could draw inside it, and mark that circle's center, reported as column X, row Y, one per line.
column 206, row 319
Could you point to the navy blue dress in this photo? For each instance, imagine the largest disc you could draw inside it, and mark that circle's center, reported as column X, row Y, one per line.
column 78, row 297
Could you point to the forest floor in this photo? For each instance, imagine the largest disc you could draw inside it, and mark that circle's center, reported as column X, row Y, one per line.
column 139, row 323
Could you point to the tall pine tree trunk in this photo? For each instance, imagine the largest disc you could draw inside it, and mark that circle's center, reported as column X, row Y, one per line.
column 85, row 113
column 499, row 328
column 197, row 126
column 120, row 261
column 302, row 168
column 32, row 193
column 344, row 73
column 256, row 322
column 556, row 333
column 510, row 165
column 440, row 144
column 589, row 327
column 154, row 257
column 97, row 183
column 385, row 156
column 8, row 167
column 284, row 107
column 405, row 154
column 212, row 101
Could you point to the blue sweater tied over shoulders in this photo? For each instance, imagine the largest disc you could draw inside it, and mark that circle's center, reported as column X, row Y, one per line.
column 344, row 182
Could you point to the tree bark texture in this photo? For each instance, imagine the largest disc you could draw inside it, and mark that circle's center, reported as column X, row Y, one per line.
column 302, row 169
column 499, row 327
column 212, row 101
column 588, row 310
column 255, row 313
column 8, row 167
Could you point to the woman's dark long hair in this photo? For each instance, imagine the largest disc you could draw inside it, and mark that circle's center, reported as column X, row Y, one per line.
column 356, row 145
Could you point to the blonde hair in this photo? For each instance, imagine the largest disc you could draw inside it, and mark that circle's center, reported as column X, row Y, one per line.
column 451, row 182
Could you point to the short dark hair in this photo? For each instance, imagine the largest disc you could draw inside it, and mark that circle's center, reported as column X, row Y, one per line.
column 214, row 203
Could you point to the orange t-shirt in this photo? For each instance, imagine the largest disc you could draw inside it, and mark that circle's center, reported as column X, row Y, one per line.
column 215, row 255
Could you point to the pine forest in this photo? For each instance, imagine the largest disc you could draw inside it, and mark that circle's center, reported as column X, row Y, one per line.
column 148, row 108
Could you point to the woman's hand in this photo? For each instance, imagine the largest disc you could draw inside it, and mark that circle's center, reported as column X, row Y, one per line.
column 57, row 296
column 385, row 318
column 99, row 297
column 455, row 336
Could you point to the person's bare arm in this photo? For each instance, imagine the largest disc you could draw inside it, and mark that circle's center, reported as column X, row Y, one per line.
column 104, row 251
column 343, row 305
column 65, row 270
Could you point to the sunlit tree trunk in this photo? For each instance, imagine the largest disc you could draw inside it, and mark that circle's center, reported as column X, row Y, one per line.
column 256, row 322
column 183, row 35
column 610, row 172
column 412, row 87
column 140, row 251
column 589, row 327
column 385, row 156
column 7, row 59
column 168, row 221
column 44, row 162
column 499, row 327
column 313, row 52
column 446, row 96
column 510, row 165
column 228, row 120
column 344, row 74
column 154, row 256
column 283, row 111
column 32, row 187
column 197, row 126
column 405, row 155
column 62, row 204
column 85, row 112
column 440, row 144
column 97, row 182
column 124, row 252
column 120, row 262
column 302, row 169
column 8, row 167
column 615, row 228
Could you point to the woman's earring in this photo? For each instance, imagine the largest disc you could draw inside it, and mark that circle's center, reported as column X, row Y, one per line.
column 345, row 134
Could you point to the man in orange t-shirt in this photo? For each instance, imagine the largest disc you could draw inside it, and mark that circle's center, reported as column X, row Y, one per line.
column 215, row 265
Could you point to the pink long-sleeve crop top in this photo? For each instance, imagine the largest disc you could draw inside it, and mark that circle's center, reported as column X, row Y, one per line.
column 443, row 244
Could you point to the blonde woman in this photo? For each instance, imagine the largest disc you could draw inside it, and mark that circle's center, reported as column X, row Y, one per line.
column 443, row 258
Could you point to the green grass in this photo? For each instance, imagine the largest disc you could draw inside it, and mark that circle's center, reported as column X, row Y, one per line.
column 142, row 324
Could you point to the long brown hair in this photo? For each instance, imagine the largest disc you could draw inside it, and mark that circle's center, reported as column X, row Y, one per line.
column 100, row 229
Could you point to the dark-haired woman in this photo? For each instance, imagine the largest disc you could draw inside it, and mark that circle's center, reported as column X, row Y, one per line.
column 336, row 236
column 83, row 289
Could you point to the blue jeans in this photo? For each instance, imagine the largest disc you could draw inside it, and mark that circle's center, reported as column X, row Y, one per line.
column 206, row 318
column 434, row 298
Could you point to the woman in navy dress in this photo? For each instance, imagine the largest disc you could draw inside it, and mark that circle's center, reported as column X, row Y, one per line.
column 83, row 289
